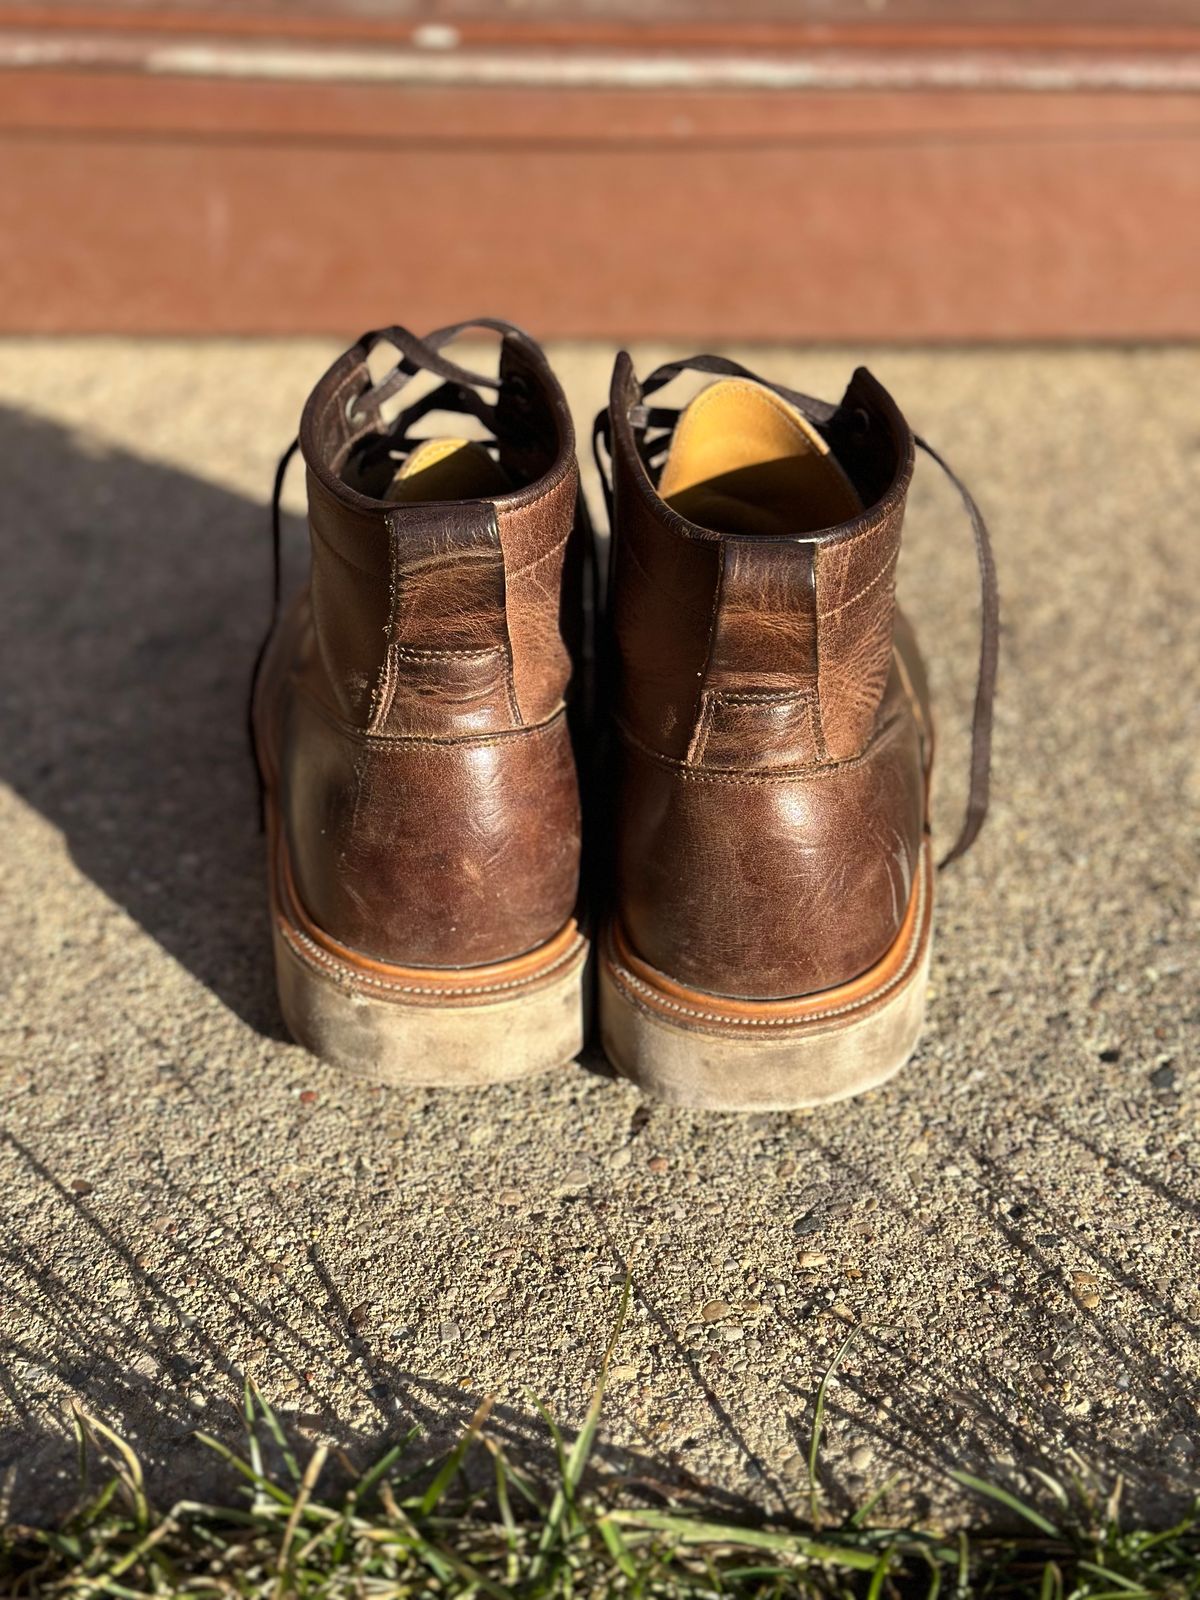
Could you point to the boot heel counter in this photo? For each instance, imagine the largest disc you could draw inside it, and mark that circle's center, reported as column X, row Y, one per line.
column 771, row 884
column 426, row 852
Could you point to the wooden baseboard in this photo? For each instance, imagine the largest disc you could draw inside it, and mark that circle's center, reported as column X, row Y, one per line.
column 170, row 170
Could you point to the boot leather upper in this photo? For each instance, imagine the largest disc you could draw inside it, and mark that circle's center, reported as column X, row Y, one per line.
column 428, row 790
column 771, row 794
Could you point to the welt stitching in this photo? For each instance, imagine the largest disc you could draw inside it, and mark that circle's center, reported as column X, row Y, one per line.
column 628, row 980
column 308, row 949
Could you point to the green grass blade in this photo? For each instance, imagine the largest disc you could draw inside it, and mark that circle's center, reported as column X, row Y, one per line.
column 1002, row 1497
column 572, row 1464
column 276, row 1431
column 879, row 1576
column 303, row 1494
column 582, row 1448
column 1122, row 1585
column 245, row 1470
column 129, row 1469
column 688, row 1530
column 869, row 1504
column 1052, row 1582
column 963, row 1577
column 429, row 1500
column 617, row 1548
column 935, row 1578
column 362, row 1489
column 814, row 1448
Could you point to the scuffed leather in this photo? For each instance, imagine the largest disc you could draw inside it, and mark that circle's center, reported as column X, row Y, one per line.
column 428, row 790
column 542, row 537
column 770, row 884
column 427, row 852
column 771, row 791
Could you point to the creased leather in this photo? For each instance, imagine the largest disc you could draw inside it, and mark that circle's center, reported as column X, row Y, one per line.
column 431, row 853
column 770, row 794
column 430, row 804
column 541, row 535
column 770, row 884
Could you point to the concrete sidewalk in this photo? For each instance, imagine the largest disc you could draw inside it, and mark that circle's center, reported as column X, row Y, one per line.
column 1012, row 1225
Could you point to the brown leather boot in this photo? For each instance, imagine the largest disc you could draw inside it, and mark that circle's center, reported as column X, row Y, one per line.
column 410, row 721
column 769, row 940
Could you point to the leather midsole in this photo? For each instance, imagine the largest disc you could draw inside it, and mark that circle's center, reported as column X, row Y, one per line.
column 655, row 988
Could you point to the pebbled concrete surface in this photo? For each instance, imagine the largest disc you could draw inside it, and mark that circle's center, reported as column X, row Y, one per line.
column 1011, row 1225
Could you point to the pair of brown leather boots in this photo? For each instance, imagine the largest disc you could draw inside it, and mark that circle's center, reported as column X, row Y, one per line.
column 750, row 734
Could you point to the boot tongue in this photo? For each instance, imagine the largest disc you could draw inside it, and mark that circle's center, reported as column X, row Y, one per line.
column 448, row 469
column 742, row 460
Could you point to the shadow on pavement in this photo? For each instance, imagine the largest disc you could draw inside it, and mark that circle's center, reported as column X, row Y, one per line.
column 157, row 1376
column 136, row 599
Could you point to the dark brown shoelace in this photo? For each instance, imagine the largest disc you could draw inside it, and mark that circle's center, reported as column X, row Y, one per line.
column 656, row 425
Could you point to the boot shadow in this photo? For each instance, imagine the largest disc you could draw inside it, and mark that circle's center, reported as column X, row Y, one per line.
column 138, row 598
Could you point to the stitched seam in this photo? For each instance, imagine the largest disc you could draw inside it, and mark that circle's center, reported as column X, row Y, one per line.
column 788, row 775
column 308, row 949
column 883, row 572
column 385, row 686
column 870, row 532
column 627, row 978
column 510, row 690
column 363, row 572
column 765, row 698
column 703, row 727
column 816, row 711
column 420, row 741
column 403, row 687
column 797, row 700
column 538, row 560
column 413, row 653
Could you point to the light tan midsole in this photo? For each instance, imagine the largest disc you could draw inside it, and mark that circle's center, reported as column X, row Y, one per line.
column 452, row 1042
column 703, row 1050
